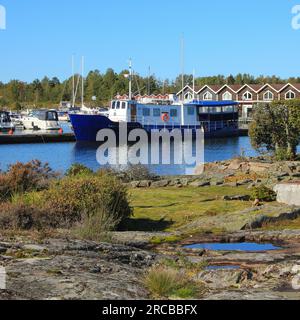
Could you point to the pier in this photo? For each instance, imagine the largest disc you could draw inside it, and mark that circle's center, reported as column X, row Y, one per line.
column 36, row 137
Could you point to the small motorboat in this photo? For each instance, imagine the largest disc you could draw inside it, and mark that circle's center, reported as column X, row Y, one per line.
column 41, row 120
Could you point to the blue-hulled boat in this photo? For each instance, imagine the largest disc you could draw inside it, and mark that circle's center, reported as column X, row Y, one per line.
column 216, row 118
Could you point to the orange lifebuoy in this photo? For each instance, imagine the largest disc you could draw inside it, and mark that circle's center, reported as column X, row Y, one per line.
column 165, row 117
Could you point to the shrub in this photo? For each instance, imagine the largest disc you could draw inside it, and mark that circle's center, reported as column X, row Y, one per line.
column 97, row 226
column 137, row 172
column 16, row 216
column 263, row 193
column 26, row 177
column 282, row 154
column 73, row 198
column 78, row 169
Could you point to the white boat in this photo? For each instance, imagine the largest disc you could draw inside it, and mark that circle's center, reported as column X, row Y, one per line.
column 41, row 120
column 63, row 116
column 5, row 122
column 16, row 119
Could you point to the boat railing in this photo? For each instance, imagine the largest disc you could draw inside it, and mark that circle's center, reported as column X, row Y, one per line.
column 208, row 126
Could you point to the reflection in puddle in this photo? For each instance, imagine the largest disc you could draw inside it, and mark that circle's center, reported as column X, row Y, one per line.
column 245, row 246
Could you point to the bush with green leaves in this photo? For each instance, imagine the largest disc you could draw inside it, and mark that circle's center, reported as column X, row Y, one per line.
column 137, row 173
column 77, row 169
column 263, row 193
column 98, row 203
column 73, row 198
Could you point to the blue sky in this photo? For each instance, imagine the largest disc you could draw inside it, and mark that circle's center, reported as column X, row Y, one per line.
column 221, row 37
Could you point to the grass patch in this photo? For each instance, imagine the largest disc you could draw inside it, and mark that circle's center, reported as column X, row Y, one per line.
column 282, row 225
column 170, row 208
column 169, row 239
column 165, row 282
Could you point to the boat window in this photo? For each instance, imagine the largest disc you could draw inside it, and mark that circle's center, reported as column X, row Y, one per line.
column 156, row 112
column 204, row 110
column 173, row 113
column 51, row 116
column 218, row 109
column 118, row 105
column 146, row 112
column 228, row 109
column 123, row 105
column 113, row 105
column 191, row 111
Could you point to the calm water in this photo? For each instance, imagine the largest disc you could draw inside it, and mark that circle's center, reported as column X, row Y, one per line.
column 61, row 156
column 245, row 246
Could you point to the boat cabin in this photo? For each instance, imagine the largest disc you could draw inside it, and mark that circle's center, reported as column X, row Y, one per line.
column 210, row 114
column 45, row 115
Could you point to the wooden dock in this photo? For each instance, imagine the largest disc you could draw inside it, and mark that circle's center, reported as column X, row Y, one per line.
column 36, row 137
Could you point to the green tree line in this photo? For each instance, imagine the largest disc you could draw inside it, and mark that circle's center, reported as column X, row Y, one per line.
column 47, row 92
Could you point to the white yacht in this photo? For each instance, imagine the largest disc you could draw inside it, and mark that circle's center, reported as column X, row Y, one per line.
column 41, row 120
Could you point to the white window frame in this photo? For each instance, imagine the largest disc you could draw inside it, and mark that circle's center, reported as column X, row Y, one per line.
column 188, row 96
column 246, row 98
column 207, row 96
column 289, row 93
column 228, row 94
column 265, row 98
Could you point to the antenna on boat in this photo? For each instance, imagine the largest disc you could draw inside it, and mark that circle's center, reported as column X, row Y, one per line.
column 82, row 81
column 130, row 79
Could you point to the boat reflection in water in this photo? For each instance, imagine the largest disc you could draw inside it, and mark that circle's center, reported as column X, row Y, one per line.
column 214, row 150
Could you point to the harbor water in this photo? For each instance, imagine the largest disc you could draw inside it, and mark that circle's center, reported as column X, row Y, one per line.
column 61, row 156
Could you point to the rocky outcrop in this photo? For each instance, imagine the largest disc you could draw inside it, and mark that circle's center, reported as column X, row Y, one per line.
column 232, row 173
column 262, row 220
column 60, row 269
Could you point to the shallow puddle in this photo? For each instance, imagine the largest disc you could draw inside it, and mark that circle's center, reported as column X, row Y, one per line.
column 228, row 267
column 245, row 246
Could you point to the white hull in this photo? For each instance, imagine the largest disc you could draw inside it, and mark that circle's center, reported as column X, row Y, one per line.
column 34, row 123
column 6, row 126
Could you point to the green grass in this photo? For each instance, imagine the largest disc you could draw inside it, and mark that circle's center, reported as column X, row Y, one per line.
column 283, row 225
column 166, row 209
column 165, row 282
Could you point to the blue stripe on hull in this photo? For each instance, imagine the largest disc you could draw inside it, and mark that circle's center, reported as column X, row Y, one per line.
column 86, row 127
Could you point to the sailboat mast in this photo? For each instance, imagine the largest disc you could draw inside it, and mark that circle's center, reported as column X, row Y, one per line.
column 182, row 66
column 73, row 83
column 149, row 75
column 194, row 84
column 130, row 79
column 82, row 82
